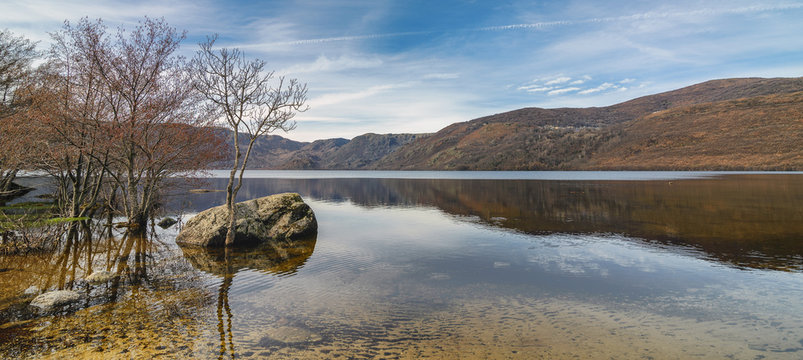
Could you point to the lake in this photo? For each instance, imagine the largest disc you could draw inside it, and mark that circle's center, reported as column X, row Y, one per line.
column 409, row 265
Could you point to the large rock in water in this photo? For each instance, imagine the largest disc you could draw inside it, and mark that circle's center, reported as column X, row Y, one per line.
column 275, row 217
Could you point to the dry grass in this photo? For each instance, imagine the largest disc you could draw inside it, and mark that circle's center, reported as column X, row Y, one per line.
column 759, row 133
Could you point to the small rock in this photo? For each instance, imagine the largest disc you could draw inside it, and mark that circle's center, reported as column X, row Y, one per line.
column 167, row 222
column 100, row 276
column 50, row 300
column 42, row 326
column 32, row 290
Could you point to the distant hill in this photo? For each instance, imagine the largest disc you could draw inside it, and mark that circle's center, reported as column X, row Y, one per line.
column 361, row 152
column 574, row 138
column 755, row 133
column 276, row 152
column 269, row 151
column 736, row 124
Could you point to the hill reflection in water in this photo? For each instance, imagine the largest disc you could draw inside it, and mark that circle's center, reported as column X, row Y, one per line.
column 752, row 221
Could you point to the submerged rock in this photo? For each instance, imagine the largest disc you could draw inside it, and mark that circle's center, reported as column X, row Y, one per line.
column 288, row 335
column 50, row 300
column 167, row 222
column 100, row 276
column 275, row 217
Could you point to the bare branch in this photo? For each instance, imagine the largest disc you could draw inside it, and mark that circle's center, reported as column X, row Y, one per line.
column 241, row 92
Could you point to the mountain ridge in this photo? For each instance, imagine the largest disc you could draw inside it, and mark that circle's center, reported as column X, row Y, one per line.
column 733, row 124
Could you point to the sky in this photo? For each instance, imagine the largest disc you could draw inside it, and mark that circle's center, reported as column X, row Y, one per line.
column 417, row 66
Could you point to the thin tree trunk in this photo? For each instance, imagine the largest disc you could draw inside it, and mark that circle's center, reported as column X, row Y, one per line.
column 231, row 192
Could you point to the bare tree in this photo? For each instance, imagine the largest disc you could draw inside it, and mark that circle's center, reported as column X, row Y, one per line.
column 244, row 93
column 71, row 117
column 151, row 124
column 16, row 56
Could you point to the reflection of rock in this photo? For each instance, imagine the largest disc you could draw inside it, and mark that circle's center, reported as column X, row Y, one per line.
column 100, row 276
column 275, row 217
column 14, row 191
column 274, row 257
column 286, row 335
column 50, row 300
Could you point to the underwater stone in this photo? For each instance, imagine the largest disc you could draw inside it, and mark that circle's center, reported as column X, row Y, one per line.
column 288, row 335
column 50, row 300
column 100, row 276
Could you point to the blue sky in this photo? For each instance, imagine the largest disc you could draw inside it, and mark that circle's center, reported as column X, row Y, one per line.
column 417, row 66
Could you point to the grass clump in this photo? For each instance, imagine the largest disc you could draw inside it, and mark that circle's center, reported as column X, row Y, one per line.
column 30, row 227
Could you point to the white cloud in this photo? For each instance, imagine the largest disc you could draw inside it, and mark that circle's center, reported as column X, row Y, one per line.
column 649, row 16
column 336, row 98
column 314, row 41
column 325, row 64
column 329, row 119
column 535, row 88
column 603, row 87
column 627, row 81
column 557, row 81
column 49, row 15
column 441, row 76
column 563, row 91
column 646, row 16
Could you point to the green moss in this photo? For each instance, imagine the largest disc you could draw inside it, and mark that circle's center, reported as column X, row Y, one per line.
column 30, row 205
column 60, row 220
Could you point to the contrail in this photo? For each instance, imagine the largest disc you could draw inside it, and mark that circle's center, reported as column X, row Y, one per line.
column 643, row 16
column 351, row 38
column 543, row 25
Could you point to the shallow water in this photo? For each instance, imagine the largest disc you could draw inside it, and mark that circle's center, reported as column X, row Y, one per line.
column 704, row 266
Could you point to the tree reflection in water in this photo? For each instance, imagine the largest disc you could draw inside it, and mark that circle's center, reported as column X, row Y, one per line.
column 151, row 295
column 276, row 258
column 223, row 304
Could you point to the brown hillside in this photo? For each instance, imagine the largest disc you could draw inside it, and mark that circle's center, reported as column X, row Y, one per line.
column 541, row 139
column 650, row 132
column 357, row 153
column 758, row 133
column 708, row 92
column 498, row 146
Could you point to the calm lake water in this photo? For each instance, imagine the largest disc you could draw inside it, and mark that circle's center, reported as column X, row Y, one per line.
column 444, row 265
